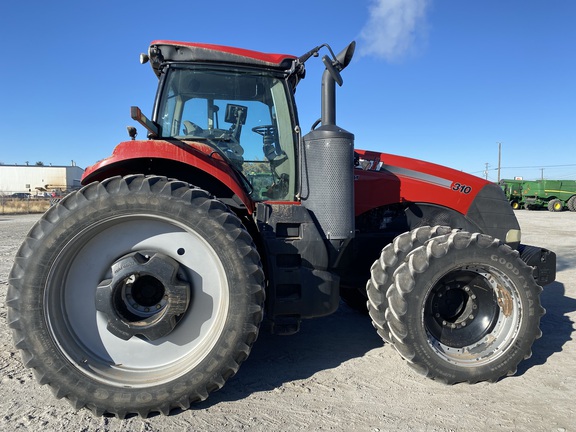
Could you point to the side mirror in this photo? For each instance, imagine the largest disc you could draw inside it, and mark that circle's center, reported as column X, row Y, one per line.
column 345, row 56
column 334, row 67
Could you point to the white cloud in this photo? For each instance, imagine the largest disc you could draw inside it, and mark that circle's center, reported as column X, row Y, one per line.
column 393, row 28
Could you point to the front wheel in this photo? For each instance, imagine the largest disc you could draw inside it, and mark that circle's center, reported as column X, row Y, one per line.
column 136, row 295
column 382, row 272
column 555, row 205
column 464, row 308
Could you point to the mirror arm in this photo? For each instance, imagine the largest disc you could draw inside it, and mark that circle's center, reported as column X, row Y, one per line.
column 137, row 115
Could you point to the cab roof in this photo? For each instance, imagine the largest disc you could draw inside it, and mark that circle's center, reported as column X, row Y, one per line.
column 162, row 51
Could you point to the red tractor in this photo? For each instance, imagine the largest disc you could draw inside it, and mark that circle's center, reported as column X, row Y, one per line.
column 145, row 290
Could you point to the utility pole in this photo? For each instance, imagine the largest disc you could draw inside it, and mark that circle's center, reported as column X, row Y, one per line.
column 486, row 171
column 499, row 159
column 541, row 173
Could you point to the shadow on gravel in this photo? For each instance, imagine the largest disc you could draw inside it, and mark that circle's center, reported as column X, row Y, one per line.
column 321, row 344
column 557, row 327
column 565, row 259
column 325, row 343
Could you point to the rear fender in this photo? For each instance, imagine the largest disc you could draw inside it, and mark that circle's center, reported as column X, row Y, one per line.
column 197, row 164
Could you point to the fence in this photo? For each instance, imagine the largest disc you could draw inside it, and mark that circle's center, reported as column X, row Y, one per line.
column 22, row 204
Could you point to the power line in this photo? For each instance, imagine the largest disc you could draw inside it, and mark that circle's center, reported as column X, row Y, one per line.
column 484, row 171
column 540, row 166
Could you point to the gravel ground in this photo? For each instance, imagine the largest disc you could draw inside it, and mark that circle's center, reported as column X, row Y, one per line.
column 336, row 374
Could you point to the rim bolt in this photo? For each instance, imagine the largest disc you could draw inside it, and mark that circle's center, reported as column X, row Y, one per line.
column 471, row 316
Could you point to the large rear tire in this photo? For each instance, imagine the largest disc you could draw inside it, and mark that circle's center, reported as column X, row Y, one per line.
column 571, row 204
column 464, row 308
column 136, row 295
column 382, row 271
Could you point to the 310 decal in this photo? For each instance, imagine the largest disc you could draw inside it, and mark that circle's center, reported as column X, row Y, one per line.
column 459, row 187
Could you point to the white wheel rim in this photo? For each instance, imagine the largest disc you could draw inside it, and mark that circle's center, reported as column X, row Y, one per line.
column 81, row 331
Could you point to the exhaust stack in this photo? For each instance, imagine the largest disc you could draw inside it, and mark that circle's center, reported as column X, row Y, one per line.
column 328, row 161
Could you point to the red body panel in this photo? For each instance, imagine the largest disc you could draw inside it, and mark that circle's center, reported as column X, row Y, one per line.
column 194, row 154
column 388, row 179
column 384, row 179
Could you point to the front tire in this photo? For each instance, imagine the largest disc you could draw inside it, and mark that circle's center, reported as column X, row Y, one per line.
column 464, row 308
column 555, row 205
column 136, row 295
column 382, row 272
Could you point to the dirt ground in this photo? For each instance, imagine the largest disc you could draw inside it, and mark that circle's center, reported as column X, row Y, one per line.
column 336, row 374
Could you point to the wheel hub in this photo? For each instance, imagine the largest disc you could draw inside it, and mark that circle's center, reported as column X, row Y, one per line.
column 145, row 296
column 461, row 309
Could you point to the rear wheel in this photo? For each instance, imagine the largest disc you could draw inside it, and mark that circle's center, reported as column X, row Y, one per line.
column 464, row 307
column 382, row 272
column 136, row 295
column 571, row 204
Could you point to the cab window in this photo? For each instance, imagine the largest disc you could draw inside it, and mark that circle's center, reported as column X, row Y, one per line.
column 244, row 115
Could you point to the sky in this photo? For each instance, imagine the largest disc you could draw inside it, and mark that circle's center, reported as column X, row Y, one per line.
column 447, row 81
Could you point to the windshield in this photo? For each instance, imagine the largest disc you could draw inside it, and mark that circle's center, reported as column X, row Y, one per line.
column 243, row 114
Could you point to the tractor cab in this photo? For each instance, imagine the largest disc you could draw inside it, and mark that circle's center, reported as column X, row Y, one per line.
column 236, row 105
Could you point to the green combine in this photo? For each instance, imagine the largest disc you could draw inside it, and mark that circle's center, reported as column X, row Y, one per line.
column 513, row 191
column 555, row 195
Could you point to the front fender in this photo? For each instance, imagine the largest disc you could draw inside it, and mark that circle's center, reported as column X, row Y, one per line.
column 194, row 162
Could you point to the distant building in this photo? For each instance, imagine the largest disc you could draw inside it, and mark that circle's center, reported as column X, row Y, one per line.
column 39, row 180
